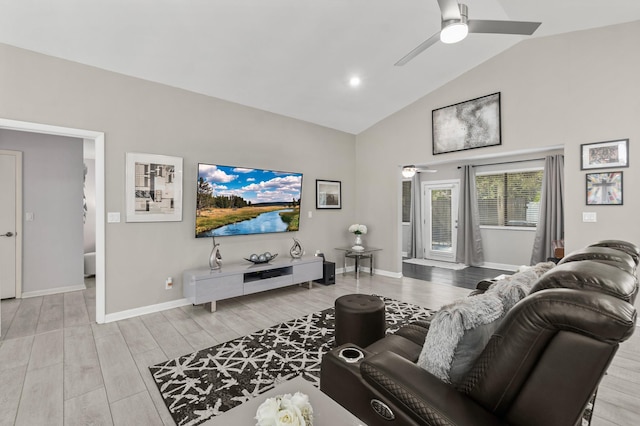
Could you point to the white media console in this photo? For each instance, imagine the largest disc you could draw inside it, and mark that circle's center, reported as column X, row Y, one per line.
column 236, row 279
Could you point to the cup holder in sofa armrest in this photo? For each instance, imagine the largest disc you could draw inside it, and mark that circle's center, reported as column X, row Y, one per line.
column 351, row 355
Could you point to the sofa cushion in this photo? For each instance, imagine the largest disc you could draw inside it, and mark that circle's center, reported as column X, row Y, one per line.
column 606, row 255
column 626, row 246
column 590, row 275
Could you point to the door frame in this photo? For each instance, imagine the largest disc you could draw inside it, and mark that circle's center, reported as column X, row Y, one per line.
column 18, row 224
column 99, row 140
column 426, row 213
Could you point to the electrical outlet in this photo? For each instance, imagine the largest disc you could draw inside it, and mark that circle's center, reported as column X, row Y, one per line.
column 168, row 284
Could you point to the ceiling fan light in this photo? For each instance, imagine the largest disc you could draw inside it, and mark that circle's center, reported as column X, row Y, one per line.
column 408, row 171
column 454, row 32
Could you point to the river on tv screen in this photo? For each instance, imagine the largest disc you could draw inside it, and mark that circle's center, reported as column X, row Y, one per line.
column 240, row 201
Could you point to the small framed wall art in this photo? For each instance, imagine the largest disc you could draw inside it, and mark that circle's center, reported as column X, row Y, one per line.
column 604, row 189
column 467, row 125
column 328, row 194
column 153, row 188
column 605, row 155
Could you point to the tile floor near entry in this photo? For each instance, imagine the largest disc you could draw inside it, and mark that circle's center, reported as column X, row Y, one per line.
column 58, row 367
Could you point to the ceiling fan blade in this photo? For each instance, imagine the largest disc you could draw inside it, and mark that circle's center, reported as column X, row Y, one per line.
column 418, row 50
column 449, row 9
column 502, row 27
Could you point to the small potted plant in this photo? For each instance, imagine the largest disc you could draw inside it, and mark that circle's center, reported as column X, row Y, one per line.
column 358, row 230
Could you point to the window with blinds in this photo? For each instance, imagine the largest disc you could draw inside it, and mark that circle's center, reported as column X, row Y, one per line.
column 509, row 199
column 406, row 201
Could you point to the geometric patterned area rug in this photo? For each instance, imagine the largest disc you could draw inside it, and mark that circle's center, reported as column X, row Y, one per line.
column 207, row 383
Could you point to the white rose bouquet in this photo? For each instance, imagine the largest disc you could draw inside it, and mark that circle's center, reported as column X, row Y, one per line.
column 358, row 229
column 285, row 410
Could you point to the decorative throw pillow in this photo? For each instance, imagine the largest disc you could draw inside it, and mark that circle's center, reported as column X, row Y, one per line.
column 513, row 288
column 458, row 334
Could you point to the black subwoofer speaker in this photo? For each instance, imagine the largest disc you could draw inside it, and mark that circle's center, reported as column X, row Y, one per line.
column 328, row 273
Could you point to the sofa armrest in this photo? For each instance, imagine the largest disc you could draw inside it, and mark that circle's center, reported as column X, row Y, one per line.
column 414, row 332
column 425, row 323
column 427, row 398
column 485, row 284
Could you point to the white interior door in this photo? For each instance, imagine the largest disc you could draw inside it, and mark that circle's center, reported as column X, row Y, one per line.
column 10, row 166
column 441, row 219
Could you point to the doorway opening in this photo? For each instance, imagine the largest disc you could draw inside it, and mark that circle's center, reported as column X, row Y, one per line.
column 10, row 225
column 98, row 140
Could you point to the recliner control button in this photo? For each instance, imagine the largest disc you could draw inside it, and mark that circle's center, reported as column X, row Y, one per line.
column 382, row 409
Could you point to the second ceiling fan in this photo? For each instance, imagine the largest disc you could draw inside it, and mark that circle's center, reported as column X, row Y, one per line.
column 456, row 26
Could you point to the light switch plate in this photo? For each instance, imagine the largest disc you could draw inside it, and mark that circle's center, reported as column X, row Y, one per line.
column 113, row 217
column 589, row 217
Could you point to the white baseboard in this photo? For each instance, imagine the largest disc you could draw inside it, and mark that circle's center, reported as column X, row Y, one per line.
column 130, row 313
column 387, row 273
column 49, row 291
column 503, row 266
column 366, row 269
column 342, row 270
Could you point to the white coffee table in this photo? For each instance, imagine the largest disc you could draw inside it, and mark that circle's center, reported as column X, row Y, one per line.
column 326, row 412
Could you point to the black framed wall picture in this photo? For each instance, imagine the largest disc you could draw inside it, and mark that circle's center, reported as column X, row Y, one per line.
column 328, row 194
column 467, row 125
column 604, row 189
column 604, row 155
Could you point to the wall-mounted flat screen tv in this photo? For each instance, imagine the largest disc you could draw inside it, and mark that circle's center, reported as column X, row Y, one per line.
column 243, row 201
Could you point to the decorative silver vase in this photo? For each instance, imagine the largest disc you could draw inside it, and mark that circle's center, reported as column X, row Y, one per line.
column 296, row 250
column 215, row 259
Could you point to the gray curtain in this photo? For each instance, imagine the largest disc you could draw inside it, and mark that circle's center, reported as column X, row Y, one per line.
column 417, row 245
column 469, row 243
column 551, row 220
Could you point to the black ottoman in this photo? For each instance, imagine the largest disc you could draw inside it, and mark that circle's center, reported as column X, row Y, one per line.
column 360, row 319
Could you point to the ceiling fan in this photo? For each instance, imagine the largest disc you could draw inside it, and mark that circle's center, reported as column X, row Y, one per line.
column 410, row 170
column 456, row 26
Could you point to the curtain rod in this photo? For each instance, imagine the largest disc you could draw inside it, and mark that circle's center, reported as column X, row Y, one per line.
column 504, row 162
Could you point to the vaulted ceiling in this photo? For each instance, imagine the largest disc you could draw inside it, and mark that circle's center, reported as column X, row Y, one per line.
column 290, row 57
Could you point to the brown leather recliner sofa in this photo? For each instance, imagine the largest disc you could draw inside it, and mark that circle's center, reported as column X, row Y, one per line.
column 540, row 367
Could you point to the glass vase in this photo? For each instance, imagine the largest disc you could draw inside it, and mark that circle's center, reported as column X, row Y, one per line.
column 357, row 243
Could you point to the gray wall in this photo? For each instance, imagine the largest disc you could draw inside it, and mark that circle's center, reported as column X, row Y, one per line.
column 52, row 191
column 142, row 116
column 563, row 90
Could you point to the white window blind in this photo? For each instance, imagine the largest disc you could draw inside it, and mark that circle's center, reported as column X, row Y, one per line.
column 441, row 238
column 509, row 198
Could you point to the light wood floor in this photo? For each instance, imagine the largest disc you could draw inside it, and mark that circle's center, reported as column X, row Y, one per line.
column 58, row 367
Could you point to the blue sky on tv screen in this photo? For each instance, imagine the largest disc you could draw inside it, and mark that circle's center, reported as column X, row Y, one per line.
column 255, row 185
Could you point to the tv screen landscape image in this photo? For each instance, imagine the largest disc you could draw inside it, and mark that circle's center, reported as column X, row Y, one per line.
column 243, row 201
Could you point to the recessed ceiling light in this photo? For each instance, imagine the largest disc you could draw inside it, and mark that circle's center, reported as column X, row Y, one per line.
column 354, row 81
